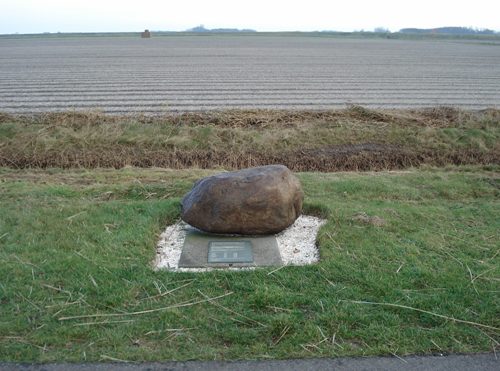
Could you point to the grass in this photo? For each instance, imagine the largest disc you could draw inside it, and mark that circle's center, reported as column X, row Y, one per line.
column 352, row 139
column 80, row 243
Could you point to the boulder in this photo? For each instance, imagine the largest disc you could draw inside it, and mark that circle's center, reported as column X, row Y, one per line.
column 255, row 201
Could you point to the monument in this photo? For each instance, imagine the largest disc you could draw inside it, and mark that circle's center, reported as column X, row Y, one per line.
column 236, row 214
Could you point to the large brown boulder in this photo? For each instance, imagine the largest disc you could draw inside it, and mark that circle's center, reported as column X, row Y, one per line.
column 260, row 200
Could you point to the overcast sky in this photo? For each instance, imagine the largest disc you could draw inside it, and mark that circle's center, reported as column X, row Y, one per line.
column 35, row 16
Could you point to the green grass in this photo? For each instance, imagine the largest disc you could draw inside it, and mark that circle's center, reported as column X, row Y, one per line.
column 81, row 242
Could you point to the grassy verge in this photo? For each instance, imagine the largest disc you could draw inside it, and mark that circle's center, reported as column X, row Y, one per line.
column 80, row 243
column 352, row 139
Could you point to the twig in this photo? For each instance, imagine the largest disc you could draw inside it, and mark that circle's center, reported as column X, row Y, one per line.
column 233, row 312
column 104, row 356
column 304, row 347
column 334, row 242
column 169, row 330
column 333, row 338
column 312, row 346
column 145, row 311
column 169, row 291
column 279, row 308
column 493, row 340
column 102, row 323
column 327, row 280
column 29, row 301
column 472, row 279
column 433, row 342
column 23, row 341
column 398, row 357
column 322, row 306
column 322, row 334
column 57, row 289
column 481, row 274
column 74, row 216
column 424, row 311
column 277, row 269
column 93, row 281
column 25, row 262
column 283, row 333
column 239, row 321
column 63, row 304
column 93, row 262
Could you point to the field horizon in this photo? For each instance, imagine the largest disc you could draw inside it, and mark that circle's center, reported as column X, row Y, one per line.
column 230, row 32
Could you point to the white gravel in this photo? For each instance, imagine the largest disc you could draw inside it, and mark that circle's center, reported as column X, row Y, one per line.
column 297, row 245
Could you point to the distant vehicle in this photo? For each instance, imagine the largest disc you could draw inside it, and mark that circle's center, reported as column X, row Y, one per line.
column 146, row 34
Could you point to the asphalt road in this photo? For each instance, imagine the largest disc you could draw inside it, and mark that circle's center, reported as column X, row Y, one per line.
column 190, row 73
column 476, row 362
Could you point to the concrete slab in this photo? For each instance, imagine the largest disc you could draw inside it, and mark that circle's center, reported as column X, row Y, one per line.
column 242, row 251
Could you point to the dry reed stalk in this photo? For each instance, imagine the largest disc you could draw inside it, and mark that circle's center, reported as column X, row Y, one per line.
column 232, row 311
column 181, row 305
column 169, row 291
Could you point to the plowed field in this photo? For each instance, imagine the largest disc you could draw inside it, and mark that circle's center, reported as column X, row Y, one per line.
column 193, row 73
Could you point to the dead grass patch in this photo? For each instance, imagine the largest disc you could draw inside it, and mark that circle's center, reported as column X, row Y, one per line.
column 374, row 220
column 356, row 138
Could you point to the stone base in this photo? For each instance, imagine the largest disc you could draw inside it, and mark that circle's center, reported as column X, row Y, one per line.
column 195, row 252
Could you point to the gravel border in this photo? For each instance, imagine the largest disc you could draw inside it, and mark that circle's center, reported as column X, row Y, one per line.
column 297, row 245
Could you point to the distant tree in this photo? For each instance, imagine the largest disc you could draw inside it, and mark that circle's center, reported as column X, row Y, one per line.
column 199, row 28
column 202, row 28
column 449, row 31
column 381, row 30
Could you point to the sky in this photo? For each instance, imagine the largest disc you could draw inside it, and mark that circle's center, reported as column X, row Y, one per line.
column 37, row 16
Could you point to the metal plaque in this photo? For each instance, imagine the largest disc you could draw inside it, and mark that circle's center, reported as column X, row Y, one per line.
column 230, row 252
column 240, row 251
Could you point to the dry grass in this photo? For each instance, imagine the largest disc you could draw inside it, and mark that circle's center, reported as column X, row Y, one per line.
column 352, row 139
